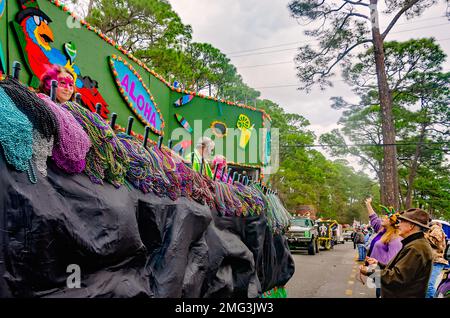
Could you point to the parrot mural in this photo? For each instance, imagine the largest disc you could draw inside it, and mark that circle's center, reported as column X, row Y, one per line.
column 35, row 35
column 2, row 7
column 2, row 58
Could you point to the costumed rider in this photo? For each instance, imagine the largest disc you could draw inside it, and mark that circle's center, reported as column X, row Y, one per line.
column 66, row 85
column 323, row 230
column 203, row 149
column 221, row 163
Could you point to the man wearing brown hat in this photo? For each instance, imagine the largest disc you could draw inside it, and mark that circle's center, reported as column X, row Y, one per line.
column 407, row 274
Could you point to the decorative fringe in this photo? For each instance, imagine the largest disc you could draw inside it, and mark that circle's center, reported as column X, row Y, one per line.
column 33, row 107
column 70, row 150
column 141, row 164
column 252, row 203
column 107, row 159
column 239, row 200
column 227, row 202
column 185, row 175
column 16, row 134
column 201, row 190
column 277, row 215
column 169, row 167
column 42, row 149
column 161, row 182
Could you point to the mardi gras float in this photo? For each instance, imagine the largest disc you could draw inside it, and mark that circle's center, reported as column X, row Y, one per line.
column 82, row 188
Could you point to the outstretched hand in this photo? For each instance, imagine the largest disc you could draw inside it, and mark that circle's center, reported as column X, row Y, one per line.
column 363, row 269
column 368, row 201
column 371, row 261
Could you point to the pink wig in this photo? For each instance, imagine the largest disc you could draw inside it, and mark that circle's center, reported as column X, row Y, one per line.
column 220, row 160
column 52, row 74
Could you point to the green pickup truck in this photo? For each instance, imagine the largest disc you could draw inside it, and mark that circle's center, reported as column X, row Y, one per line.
column 302, row 234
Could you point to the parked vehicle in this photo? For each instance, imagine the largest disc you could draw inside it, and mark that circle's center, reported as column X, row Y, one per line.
column 338, row 235
column 348, row 235
column 302, row 234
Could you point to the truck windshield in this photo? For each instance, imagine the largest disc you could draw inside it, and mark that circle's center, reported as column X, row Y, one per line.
column 300, row 222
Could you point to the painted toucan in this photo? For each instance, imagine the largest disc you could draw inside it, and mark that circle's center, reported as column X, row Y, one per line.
column 35, row 36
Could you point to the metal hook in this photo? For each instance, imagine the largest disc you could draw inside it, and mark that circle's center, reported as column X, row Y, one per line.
column 98, row 108
column 215, row 171
column 229, row 175
column 130, row 124
column 53, row 89
column 78, row 98
column 201, row 166
column 147, row 131
column 113, row 120
column 16, row 70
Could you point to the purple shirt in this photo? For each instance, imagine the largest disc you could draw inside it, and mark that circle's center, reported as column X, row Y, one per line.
column 383, row 253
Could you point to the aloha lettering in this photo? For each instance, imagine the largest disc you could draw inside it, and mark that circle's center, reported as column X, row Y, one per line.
column 140, row 101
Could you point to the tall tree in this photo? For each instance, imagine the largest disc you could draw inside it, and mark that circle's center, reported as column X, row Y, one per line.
column 154, row 33
column 344, row 26
column 210, row 66
column 306, row 177
column 237, row 90
column 421, row 97
column 140, row 24
column 428, row 124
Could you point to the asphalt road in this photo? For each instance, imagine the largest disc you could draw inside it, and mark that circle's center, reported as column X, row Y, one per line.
column 329, row 274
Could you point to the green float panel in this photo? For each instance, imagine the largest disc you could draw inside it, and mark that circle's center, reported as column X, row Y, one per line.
column 93, row 53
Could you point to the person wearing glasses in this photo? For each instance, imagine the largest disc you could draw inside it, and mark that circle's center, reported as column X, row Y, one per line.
column 408, row 273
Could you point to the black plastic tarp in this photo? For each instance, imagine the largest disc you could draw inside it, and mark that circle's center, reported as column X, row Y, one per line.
column 128, row 244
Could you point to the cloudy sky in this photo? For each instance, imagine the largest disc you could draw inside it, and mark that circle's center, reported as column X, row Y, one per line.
column 261, row 38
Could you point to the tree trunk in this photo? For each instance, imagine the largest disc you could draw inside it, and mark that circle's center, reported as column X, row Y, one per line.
column 401, row 200
column 413, row 168
column 380, row 180
column 390, row 185
column 90, row 5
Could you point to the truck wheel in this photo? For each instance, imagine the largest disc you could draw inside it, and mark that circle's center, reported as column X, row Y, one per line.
column 311, row 248
column 328, row 245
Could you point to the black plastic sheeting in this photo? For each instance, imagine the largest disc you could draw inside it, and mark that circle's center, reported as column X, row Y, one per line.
column 128, row 244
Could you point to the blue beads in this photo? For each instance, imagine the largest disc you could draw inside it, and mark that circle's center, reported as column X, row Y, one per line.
column 15, row 133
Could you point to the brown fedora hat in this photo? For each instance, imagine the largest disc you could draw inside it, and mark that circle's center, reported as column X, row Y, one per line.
column 415, row 216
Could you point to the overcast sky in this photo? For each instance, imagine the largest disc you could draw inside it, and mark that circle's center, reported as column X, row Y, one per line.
column 240, row 28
